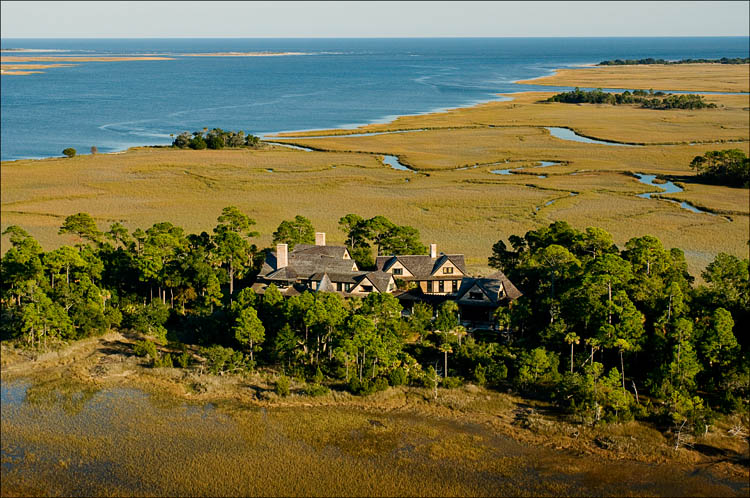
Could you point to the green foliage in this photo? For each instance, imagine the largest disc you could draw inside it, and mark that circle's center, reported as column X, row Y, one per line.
column 69, row 152
column 480, row 374
column 281, row 387
column 725, row 167
column 145, row 348
column 651, row 60
column 165, row 361
column 293, row 232
column 215, row 139
column 451, row 382
column 185, row 359
column 538, row 366
column 220, row 360
column 398, row 377
column 648, row 101
column 315, row 390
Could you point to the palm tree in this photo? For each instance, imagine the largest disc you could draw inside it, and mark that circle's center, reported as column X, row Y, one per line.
column 572, row 338
column 446, row 348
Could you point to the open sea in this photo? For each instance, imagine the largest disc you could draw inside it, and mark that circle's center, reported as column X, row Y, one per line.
column 336, row 83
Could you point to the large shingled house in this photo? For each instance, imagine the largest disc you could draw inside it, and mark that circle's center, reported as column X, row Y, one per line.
column 441, row 277
column 321, row 268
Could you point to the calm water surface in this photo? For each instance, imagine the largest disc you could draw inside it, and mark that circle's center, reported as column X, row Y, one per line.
column 337, row 83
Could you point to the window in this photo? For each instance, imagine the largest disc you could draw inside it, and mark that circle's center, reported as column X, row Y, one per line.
column 367, row 288
column 430, row 286
column 339, row 285
column 447, row 270
column 347, row 287
column 441, row 286
column 476, row 296
column 398, row 271
column 456, row 285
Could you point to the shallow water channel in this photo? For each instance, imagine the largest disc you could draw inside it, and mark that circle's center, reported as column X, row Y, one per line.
column 666, row 188
column 568, row 134
column 71, row 440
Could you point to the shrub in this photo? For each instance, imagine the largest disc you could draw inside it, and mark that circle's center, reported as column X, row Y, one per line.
column 480, row 374
column 220, row 360
column 164, row 362
column 380, row 384
column 451, row 382
column 94, row 150
column 315, row 390
column 145, row 348
column 318, row 378
column 496, row 373
column 397, row 377
column 184, row 359
column 69, row 152
column 281, row 387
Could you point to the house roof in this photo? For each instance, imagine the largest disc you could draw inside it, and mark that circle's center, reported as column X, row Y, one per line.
column 308, row 260
column 325, row 284
column 309, row 250
column 496, row 287
column 421, row 266
column 379, row 280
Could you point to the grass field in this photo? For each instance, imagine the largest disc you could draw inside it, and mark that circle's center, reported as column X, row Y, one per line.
column 463, row 211
column 683, row 77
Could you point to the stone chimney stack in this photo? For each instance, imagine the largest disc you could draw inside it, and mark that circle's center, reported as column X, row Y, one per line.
column 282, row 257
column 433, row 251
column 320, row 238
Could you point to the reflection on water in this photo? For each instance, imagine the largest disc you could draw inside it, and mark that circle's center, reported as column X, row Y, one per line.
column 122, row 442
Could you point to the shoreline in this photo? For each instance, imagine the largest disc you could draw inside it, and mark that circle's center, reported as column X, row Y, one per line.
column 344, row 129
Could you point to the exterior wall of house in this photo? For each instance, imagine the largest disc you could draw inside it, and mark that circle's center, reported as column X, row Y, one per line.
column 360, row 290
column 448, row 269
column 398, row 266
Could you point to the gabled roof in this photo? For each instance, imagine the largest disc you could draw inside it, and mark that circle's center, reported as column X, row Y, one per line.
column 510, row 290
column 379, row 280
column 491, row 286
column 421, row 266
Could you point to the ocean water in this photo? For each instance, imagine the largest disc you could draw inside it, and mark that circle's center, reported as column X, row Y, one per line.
column 337, row 83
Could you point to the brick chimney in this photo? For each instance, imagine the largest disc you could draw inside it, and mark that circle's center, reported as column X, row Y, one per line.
column 433, row 251
column 320, row 238
column 282, row 258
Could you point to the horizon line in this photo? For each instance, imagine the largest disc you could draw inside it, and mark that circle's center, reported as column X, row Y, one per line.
column 344, row 37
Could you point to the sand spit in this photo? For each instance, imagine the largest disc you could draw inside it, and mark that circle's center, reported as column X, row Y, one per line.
column 19, row 69
column 244, row 54
column 74, row 58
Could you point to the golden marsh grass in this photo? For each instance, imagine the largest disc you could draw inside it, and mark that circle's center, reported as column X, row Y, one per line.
column 682, row 77
column 464, row 210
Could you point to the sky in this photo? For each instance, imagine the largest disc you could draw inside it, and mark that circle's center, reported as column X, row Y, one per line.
column 370, row 19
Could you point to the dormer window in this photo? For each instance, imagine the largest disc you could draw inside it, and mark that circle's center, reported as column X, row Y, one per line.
column 398, row 271
column 476, row 296
column 448, row 270
column 367, row 288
